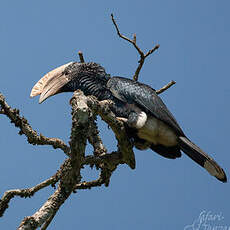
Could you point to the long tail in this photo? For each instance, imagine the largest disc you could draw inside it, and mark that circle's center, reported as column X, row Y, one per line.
column 203, row 159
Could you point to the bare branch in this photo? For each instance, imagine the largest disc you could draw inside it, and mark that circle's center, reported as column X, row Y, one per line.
column 89, row 185
column 95, row 140
column 133, row 42
column 8, row 195
column 126, row 38
column 171, row 83
column 70, row 175
column 26, row 129
column 68, row 178
column 46, row 211
column 104, row 176
column 81, row 56
column 84, row 126
column 109, row 159
column 141, row 63
column 48, row 221
column 80, row 118
column 152, row 50
column 124, row 144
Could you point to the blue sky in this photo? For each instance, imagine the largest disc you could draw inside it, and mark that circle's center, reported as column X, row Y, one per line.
column 37, row 36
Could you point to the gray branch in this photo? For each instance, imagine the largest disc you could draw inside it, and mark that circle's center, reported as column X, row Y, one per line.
column 84, row 127
column 8, row 195
column 25, row 128
column 70, row 175
column 83, row 110
column 124, row 145
column 95, row 140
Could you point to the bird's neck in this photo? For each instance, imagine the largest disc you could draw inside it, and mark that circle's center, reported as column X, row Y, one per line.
column 91, row 78
column 92, row 84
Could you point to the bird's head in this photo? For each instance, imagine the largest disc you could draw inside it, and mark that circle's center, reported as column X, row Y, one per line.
column 68, row 78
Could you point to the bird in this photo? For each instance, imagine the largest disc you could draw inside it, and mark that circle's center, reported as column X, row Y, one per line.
column 148, row 122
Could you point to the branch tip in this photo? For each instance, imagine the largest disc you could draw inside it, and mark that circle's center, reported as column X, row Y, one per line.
column 80, row 54
column 134, row 38
column 28, row 131
column 133, row 42
column 164, row 88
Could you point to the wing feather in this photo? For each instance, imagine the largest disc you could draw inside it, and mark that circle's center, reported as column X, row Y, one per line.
column 145, row 97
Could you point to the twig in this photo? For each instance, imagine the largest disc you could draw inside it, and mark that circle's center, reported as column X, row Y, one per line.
column 161, row 90
column 26, row 129
column 81, row 56
column 8, row 195
column 141, row 53
column 89, row 185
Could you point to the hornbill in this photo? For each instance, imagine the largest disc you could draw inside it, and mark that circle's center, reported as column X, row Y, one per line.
column 148, row 121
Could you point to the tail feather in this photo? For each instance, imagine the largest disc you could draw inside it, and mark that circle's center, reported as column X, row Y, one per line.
column 203, row 159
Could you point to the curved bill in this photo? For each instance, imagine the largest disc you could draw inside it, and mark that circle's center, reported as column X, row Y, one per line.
column 50, row 84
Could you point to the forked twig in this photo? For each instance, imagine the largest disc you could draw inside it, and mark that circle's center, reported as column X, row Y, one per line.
column 141, row 53
column 8, row 195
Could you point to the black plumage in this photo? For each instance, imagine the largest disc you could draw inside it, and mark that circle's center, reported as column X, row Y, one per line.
column 145, row 98
column 147, row 120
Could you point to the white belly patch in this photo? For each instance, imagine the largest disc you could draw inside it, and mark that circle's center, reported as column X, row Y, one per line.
column 157, row 132
column 142, row 118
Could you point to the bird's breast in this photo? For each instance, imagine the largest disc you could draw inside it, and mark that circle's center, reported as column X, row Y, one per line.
column 157, row 132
